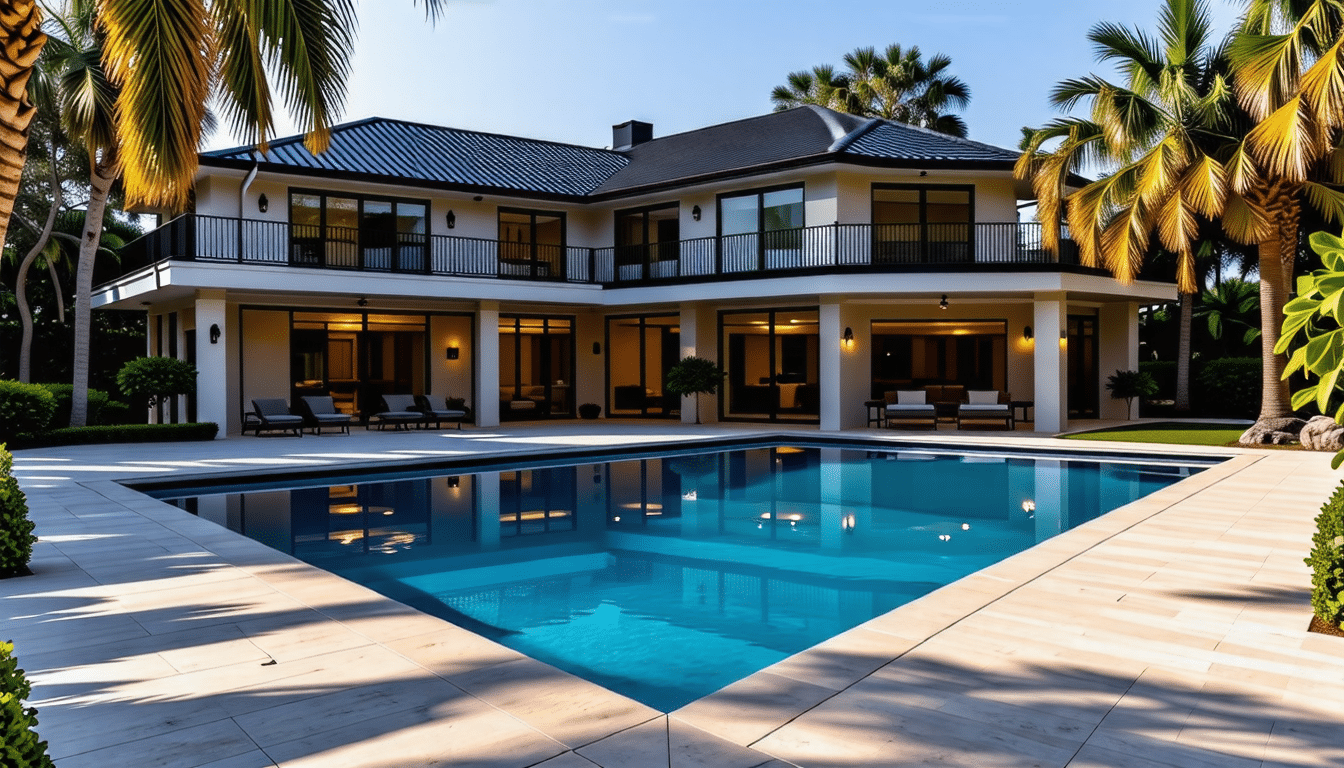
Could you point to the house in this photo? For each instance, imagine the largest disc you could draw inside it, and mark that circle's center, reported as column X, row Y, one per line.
column 821, row 258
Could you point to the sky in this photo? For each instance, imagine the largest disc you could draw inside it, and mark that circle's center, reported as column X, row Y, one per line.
column 567, row 70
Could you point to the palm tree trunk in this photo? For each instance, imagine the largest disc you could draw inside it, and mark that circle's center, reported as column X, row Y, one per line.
column 1183, row 353
column 100, row 184
column 21, row 30
column 1274, row 398
column 21, row 282
column 56, row 288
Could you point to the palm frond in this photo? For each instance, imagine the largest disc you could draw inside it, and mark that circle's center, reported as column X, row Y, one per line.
column 1330, row 202
column 1267, row 69
column 242, row 88
column 308, row 45
column 1286, row 141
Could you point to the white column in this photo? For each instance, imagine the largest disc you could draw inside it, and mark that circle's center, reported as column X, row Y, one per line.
column 1118, row 350
column 152, row 350
column 212, row 383
column 690, row 332
column 829, row 333
column 487, row 365
column 1051, row 396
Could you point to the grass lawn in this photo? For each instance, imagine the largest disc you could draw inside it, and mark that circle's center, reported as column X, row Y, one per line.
column 1170, row 432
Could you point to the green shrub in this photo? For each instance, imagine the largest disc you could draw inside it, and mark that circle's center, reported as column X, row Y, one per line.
column 1230, row 387
column 19, row 745
column 25, row 409
column 150, row 379
column 16, row 530
column 1327, row 561
column 1127, row 385
column 63, row 392
column 125, row 433
column 117, row 412
column 1164, row 374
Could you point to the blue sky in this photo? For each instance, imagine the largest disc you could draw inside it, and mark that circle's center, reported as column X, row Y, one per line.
column 566, row 70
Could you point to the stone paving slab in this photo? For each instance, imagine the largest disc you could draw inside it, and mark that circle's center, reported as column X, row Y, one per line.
column 1168, row 633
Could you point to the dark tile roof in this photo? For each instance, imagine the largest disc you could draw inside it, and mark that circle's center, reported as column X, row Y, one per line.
column 444, row 156
column 448, row 157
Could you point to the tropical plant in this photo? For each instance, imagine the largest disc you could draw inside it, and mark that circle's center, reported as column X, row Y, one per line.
column 1231, row 306
column 896, row 84
column 21, row 29
column 694, row 376
column 152, row 379
column 18, row 724
column 1327, row 562
column 25, row 409
column 1127, row 385
column 1311, row 328
column 16, row 530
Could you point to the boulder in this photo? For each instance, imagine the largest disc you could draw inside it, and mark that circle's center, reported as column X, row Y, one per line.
column 1281, row 431
column 1323, row 433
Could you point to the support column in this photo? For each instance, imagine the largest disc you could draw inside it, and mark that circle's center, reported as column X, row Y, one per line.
column 690, row 332
column 487, row 364
column 1051, row 397
column 212, row 381
column 1118, row 350
column 152, row 350
column 829, row 353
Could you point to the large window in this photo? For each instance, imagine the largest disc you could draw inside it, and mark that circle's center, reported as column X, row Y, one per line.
column 647, row 242
column 761, row 229
column 357, row 357
column 531, row 244
column 640, row 350
column 772, row 361
column 922, row 224
column 358, row 232
column 913, row 354
column 536, row 367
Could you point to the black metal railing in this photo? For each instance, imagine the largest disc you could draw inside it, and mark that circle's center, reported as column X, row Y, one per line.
column 839, row 247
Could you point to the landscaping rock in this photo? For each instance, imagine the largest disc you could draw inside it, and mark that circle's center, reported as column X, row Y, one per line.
column 1273, row 432
column 1323, row 433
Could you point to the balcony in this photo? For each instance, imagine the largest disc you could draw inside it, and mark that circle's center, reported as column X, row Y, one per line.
column 810, row 250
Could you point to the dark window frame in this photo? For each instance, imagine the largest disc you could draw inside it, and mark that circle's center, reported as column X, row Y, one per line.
column 771, row 311
column 518, row 318
column 641, row 251
column 759, row 193
column 873, row 348
column 923, row 224
column 361, row 198
column 643, row 318
column 533, row 263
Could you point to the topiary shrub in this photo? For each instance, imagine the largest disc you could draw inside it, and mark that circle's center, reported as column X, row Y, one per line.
column 1327, row 561
column 150, row 379
column 98, row 400
column 19, row 744
column 16, row 530
column 1231, row 387
column 25, row 409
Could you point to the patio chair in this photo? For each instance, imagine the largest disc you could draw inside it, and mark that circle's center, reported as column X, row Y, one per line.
column 910, row 409
column 399, row 411
column 320, row 411
column 986, row 406
column 273, row 415
column 436, row 410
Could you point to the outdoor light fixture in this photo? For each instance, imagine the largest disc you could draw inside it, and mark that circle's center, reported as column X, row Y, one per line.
column 452, row 481
column 214, row 334
column 848, row 337
column 597, row 347
column 263, row 203
column 363, row 302
column 1027, row 333
column 923, row 173
column 943, row 304
column 695, row 212
column 477, row 199
column 452, row 353
column 452, row 219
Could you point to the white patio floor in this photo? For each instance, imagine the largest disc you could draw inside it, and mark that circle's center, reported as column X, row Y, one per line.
column 1171, row 632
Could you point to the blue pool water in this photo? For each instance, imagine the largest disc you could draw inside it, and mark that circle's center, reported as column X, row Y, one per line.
column 667, row 578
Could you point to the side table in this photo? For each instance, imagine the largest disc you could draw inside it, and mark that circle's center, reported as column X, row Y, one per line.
column 877, row 409
column 1026, row 406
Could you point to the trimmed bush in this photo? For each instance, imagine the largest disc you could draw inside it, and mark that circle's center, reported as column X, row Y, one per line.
column 16, row 530
column 1230, row 387
column 63, row 392
column 125, row 433
column 117, row 412
column 1164, row 373
column 1327, row 561
column 25, row 409
column 150, row 379
column 19, row 745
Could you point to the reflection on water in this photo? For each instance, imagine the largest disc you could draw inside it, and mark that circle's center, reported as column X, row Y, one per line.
column 668, row 578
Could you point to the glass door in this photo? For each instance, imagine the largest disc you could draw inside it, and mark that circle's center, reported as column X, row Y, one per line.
column 641, row 350
column 772, row 362
column 536, row 367
column 922, row 224
column 1084, row 368
column 531, row 244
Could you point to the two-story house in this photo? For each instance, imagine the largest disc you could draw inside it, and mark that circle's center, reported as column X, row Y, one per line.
column 821, row 258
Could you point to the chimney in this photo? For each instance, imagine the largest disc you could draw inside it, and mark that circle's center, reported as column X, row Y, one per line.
column 630, row 133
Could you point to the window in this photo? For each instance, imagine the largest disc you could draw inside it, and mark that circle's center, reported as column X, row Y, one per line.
column 772, row 358
column 531, row 244
column 921, row 224
column 647, row 241
column 761, row 229
column 358, row 232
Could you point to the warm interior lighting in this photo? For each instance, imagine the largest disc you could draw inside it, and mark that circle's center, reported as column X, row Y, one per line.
column 533, row 514
column 1029, row 506
column 848, row 338
column 788, row 449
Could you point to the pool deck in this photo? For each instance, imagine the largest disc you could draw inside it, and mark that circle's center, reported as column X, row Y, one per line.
column 1170, row 633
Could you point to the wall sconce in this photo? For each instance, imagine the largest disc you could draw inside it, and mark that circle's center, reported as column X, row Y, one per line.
column 848, row 338
column 214, row 334
column 1063, row 338
column 263, row 203
column 923, row 173
column 1027, row 333
column 477, row 199
column 695, row 212
column 597, row 347
column 943, row 304
column 451, row 219
column 363, row 302
column 452, row 481
column 452, row 353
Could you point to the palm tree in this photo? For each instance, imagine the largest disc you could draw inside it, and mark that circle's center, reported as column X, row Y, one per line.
column 1231, row 305
column 822, row 87
column 21, row 29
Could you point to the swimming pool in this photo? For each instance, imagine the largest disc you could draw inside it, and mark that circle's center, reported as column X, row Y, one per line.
column 666, row 578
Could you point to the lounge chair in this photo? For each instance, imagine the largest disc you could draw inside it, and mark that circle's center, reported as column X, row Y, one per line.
column 436, row 410
column 986, row 406
column 321, row 412
column 273, row 415
column 399, row 411
column 910, row 409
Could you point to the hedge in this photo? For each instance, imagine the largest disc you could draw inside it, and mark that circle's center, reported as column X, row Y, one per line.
column 1230, row 387
column 16, row 530
column 25, row 409
column 98, row 400
column 1327, row 561
column 19, row 744
column 124, row 433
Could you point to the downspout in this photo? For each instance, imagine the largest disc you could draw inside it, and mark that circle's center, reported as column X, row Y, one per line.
column 242, row 205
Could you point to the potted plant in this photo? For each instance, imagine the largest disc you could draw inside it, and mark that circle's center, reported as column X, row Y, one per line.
column 694, row 376
column 590, row 410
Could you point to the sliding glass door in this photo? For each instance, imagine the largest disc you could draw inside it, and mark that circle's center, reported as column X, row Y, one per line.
column 536, row 367
column 640, row 350
column 772, row 360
